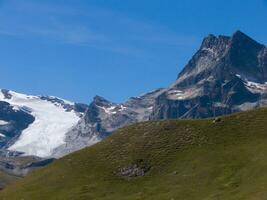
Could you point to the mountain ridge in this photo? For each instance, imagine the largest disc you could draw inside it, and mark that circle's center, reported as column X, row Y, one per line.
column 210, row 85
column 227, row 74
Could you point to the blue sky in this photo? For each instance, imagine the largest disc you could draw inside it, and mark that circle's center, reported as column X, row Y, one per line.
column 77, row 49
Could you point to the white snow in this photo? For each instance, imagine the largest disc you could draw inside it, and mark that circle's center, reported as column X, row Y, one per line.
column 2, row 122
column 113, row 109
column 254, row 86
column 109, row 110
column 178, row 94
column 186, row 94
column 122, row 108
column 239, row 76
column 2, row 135
column 48, row 130
column 257, row 85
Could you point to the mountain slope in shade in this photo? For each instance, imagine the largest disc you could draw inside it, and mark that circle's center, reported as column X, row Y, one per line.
column 158, row 160
column 35, row 125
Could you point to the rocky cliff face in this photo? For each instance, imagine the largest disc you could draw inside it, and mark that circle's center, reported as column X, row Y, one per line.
column 12, row 123
column 227, row 74
column 103, row 117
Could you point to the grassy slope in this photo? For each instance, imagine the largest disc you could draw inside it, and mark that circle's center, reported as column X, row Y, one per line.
column 188, row 160
column 6, row 179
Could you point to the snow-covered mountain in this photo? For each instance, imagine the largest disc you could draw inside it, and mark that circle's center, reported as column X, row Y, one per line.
column 226, row 75
column 35, row 125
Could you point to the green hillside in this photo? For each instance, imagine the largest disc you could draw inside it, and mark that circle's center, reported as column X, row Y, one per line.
column 11, row 169
column 6, row 179
column 172, row 160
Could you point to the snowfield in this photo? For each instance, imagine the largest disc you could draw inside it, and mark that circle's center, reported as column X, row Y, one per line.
column 49, row 128
column 2, row 135
column 3, row 122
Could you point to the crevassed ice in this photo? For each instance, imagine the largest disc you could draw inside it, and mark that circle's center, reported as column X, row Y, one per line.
column 48, row 130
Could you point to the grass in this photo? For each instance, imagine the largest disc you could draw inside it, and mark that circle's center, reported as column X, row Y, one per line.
column 187, row 159
column 6, row 179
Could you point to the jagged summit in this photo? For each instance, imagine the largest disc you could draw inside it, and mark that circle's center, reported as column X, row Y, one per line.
column 242, row 37
column 101, row 101
column 240, row 34
column 211, row 40
column 221, row 57
column 227, row 74
column 237, row 37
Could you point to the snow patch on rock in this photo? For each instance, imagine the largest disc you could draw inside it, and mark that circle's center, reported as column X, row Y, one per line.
column 256, row 87
column 2, row 135
column 2, row 122
column 109, row 110
column 252, row 86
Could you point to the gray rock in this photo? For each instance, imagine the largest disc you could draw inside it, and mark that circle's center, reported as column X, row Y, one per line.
column 137, row 169
column 103, row 117
column 217, row 80
column 21, row 166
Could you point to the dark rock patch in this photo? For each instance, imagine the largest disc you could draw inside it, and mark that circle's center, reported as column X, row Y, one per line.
column 6, row 94
column 136, row 169
column 217, row 120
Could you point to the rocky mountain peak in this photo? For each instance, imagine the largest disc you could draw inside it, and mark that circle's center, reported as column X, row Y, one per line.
column 241, row 37
column 212, row 42
column 242, row 42
column 222, row 57
column 243, row 58
column 6, row 93
column 238, row 37
column 100, row 101
column 226, row 75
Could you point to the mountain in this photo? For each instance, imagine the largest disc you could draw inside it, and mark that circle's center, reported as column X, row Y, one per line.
column 167, row 159
column 35, row 125
column 103, row 117
column 226, row 75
